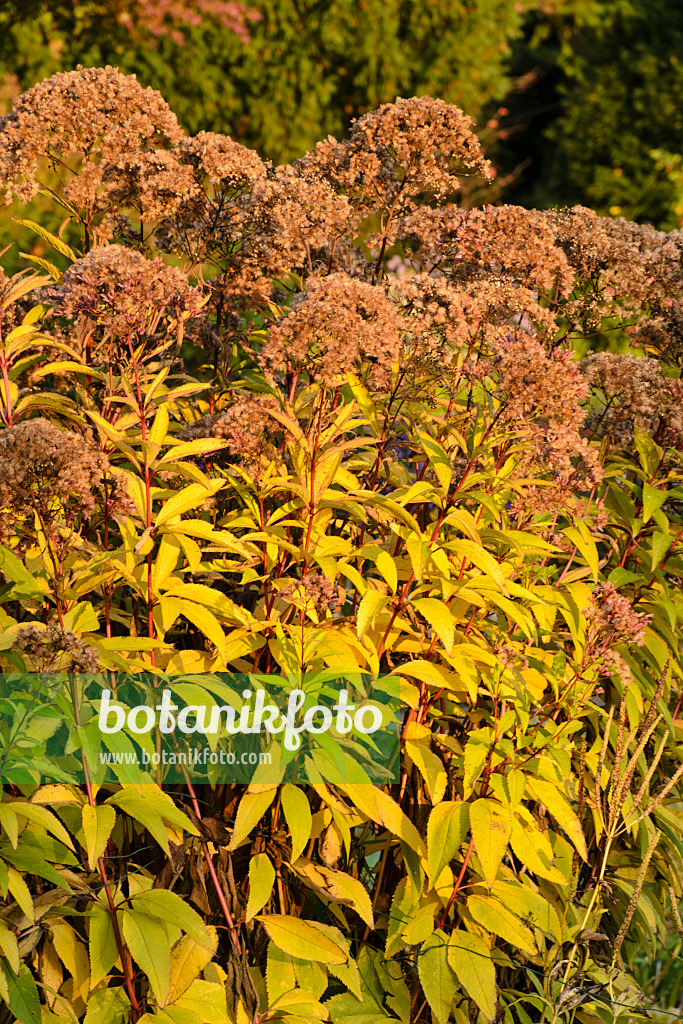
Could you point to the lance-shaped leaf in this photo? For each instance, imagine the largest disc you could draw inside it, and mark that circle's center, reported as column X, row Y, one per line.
column 491, row 825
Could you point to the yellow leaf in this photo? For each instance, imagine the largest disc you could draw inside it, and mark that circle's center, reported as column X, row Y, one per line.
column 192, row 496
column 437, row 614
column 497, row 919
column 371, row 603
column 470, row 958
column 97, row 825
column 303, row 939
column 387, row 566
column 548, row 794
column 188, row 960
column 261, row 881
column 298, row 817
column 446, row 830
column 429, row 765
column 491, row 825
column 251, row 809
column 380, row 807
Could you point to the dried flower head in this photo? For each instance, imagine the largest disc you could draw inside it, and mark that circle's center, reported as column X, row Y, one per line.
column 50, row 647
column 95, row 114
column 47, row 470
column 613, row 619
column 316, row 588
column 227, row 164
column 636, row 395
column 339, row 324
column 444, row 320
column 248, row 428
column 124, row 293
column 403, row 153
column 152, row 182
column 541, row 396
column 508, row 242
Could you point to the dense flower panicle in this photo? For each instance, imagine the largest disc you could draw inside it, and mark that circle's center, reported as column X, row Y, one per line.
column 223, row 161
column 151, row 181
column 43, row 468
column 88, row 113
column 337, row 325
column 637, row 395
column 122, row 291
column 262, row 225
column 401, row 153
column 541, row 394
column 508, row 242
column 297, row 222
column 614, row 619
column 247, row 427
column 314, row 587
column 51, row 646
column 632, row 266
column 444, row 320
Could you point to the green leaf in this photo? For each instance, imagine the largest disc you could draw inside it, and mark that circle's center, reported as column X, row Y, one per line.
column 303, row 939
column 438, row 980
column 149, row 946
column 171, row 908
column 102, row 948
column 298, row 816
column 660, row 545
column 23, row 994
column 650, row 453
column 261, row 881
column 653, row 499
column 470, row 958
column 491, row 825
column 106, row 1006
column 447, row 827
column 97, row 825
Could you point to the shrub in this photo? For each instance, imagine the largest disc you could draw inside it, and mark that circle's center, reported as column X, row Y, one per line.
column 313, row 422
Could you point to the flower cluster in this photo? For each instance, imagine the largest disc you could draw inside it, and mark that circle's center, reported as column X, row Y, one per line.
column 636, row 395
column 316, row 588
column 247, row 427
column 339, row 324
column 613, row 620
column 50, row 647
column 96, row 115
column 44, row 469
column 125, row 294
column 400, row 153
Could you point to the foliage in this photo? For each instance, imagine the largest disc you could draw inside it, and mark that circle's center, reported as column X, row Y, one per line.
column 305, row 70
column 320, row 419
column 606, row 93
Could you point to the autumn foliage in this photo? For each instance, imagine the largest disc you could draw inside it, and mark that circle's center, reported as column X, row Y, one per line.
column 320, row 418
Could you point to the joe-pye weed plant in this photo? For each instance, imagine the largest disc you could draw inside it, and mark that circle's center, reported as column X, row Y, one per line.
column 320, row 418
